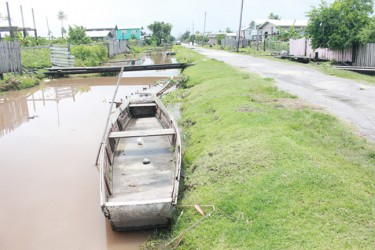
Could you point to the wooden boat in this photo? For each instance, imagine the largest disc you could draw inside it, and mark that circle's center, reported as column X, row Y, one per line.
column 140, row 163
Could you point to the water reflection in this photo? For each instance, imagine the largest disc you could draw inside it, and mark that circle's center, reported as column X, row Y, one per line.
column 49, row 185
column 49, row 138
column 13, row 112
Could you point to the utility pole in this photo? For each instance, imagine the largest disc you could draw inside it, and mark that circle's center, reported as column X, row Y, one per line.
column 10, row 22
column 204, row 27
column 239, row 30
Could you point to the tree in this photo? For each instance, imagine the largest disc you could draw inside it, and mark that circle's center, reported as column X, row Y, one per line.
column 219, row 38
column 228, row 30
column 274, row 16
column 160, row 32
column 185, row 36
column 62, row 16
column 337, row 26
column 253, row 25
column 367, row 34
column 77, row 35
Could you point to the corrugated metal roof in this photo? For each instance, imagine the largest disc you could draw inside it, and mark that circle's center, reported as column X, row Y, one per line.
column 285, row 23
column 103, row 33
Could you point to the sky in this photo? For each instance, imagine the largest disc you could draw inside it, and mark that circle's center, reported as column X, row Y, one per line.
column 184, row 15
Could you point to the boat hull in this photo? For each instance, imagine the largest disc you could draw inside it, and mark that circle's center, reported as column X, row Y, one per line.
column 139, row 216
column 135, row 193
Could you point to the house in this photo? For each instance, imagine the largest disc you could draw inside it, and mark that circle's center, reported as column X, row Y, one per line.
column 273, row 27
column 101, row 34
column 212, row 40
column 127, row 33
column 250, row 32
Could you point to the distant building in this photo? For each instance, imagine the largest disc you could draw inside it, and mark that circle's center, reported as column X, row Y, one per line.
column 250, row 32
column 101, row 34
column 273, row 27
column 127, row 33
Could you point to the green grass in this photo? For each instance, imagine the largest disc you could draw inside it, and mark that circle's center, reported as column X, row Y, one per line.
column 329, row 70
column 325, row 67
column 36, row 58
column 279, row 174
column 11, row 83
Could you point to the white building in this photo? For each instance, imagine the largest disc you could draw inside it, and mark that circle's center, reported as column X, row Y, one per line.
column 273, row 27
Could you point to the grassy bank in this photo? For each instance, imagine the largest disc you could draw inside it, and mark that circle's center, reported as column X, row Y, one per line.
column 11, row 83
column 279, row 173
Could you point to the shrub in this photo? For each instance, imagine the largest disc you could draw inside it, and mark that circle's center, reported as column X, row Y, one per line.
column 89, row 55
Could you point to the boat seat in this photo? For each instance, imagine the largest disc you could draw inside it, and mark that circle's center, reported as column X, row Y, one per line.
column 151, row 104
column 142, row 133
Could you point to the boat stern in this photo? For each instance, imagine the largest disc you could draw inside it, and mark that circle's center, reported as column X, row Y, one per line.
column 138, row 215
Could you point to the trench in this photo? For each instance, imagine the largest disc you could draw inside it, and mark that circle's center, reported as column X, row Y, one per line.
column 49, row 140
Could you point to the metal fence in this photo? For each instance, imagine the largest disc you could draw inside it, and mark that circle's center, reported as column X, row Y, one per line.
column 61, row 57
column 10, row 57
column 232, row 43
column 275, row 46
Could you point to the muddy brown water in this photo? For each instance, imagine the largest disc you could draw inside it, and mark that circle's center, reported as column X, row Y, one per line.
column 49, row 140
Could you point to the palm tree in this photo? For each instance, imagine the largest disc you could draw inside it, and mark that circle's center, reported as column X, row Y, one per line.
column 62, row 16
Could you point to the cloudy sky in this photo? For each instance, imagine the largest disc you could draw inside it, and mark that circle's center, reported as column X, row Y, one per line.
column 182, row 14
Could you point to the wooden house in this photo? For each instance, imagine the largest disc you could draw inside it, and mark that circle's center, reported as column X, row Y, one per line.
column 273, row 27
column 127, row 33
column 250, row 32
column 101, row 34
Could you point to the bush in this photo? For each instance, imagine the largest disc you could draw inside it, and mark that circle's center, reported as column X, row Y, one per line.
column 36, row 58
column 89, row 55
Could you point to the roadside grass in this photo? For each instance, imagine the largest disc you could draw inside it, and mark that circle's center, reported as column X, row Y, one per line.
column 279, row 173
column 325, row 67
column 329, row 70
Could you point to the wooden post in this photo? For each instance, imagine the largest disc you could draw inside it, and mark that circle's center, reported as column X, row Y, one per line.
column 10, row 22
column 35, row 32
column 23, row 23
column 239, row 29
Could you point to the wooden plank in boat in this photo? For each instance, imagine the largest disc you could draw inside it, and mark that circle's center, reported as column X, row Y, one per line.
column 142, row 133
column 142, row 105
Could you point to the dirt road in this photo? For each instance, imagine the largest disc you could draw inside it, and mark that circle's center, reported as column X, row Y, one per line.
column 349, row 100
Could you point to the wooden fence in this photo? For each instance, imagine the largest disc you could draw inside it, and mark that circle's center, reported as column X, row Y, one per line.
column 365, row 56
column 302, row 48
column 117, row 47
column 10, row 57
column 61, row 57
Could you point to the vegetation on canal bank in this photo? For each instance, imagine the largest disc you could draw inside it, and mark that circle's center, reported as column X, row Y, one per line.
column 280, row 173
column 12, row 82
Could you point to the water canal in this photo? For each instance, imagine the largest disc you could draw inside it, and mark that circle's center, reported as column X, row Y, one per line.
column 49, row 139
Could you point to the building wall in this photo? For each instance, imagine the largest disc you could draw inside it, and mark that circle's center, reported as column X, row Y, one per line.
column 269, row 29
